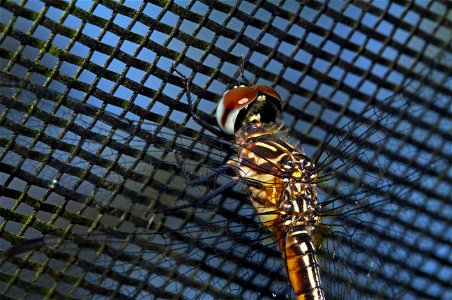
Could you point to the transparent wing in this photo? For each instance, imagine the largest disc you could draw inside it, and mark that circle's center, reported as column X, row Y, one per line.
column 362, row 193
column 369, row 181
column 113, row 193
column 119, row 219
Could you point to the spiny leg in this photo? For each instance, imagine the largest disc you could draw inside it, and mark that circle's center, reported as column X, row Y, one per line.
column 201, row 180
column 192, row 112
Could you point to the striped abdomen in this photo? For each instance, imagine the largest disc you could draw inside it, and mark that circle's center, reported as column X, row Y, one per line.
column 302, row 265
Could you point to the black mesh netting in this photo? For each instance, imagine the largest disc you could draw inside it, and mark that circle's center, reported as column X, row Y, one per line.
column 96, row 135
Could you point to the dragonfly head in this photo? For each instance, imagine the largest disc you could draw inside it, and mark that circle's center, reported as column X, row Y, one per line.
column 242, row 105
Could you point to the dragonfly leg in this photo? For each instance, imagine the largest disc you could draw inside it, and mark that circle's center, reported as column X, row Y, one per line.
column 192, row 112
column 201, row 201
column 201, row 180
column 216, row 192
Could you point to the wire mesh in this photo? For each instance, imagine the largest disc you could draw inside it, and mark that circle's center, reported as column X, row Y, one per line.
column 92, row 114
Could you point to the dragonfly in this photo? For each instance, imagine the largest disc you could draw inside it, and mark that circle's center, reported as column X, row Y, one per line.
column 280, row 179
column 138, row 228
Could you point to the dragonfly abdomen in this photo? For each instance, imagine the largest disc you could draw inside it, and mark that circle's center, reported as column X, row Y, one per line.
column 301, row 263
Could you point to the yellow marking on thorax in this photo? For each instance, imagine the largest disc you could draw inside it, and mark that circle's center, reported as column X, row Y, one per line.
column 253, row 118
column 297, row 174
column 266, row 145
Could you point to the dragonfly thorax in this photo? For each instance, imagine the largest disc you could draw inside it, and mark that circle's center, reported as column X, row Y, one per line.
column 280, row 178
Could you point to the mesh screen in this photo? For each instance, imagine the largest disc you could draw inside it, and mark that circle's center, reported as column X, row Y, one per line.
column 96, row 137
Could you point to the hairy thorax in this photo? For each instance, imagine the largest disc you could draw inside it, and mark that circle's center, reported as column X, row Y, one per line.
column 279, row 178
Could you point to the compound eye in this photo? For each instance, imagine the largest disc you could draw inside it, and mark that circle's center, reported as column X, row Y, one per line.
column 239, row 97
column 231, row 104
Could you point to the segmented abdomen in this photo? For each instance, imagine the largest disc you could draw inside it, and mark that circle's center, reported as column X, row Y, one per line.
column 302, row 265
